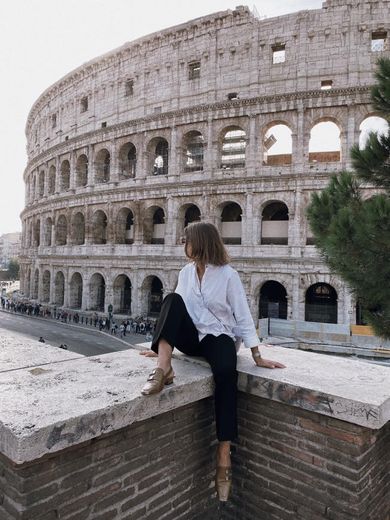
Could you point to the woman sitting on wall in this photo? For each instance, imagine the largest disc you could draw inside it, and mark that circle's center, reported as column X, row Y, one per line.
column 205, row 315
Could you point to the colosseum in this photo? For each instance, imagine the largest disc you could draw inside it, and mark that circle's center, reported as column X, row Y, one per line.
column 217, row 119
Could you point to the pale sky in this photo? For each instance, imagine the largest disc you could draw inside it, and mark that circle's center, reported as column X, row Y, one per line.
column 42, row 40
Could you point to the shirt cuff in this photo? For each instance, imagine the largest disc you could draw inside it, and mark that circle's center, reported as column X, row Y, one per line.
column 252, row 341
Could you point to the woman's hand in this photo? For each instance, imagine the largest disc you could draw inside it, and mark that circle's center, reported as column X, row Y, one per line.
column 267, row 363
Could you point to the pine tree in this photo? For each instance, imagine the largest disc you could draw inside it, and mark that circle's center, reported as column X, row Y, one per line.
column 353, row 232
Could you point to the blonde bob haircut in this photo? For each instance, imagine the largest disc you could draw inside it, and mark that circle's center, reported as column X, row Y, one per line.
column 206, row 244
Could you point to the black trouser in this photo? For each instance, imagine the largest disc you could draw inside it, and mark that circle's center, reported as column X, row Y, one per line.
column 176, row 327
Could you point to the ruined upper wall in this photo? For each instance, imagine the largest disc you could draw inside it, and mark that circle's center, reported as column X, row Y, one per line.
column 235, row 52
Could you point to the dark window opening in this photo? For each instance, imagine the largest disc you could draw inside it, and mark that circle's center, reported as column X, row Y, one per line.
column 84, row 104
column 379, row 41
column 194, row 70
column 278, row 54
column 326, row 84
column 129, row 88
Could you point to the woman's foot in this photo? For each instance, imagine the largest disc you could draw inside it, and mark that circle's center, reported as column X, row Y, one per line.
column 148, row 353
column 157, row 379
column 223, row 476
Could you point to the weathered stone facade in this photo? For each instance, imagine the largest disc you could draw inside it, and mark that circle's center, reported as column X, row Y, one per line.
column 176, row 126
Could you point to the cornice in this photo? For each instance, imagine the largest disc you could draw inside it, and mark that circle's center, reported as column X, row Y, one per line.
column 167, row 117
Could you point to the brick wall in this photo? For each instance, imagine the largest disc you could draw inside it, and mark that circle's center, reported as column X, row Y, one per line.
column 292, row 464
column 289, row 464
column 160, row 468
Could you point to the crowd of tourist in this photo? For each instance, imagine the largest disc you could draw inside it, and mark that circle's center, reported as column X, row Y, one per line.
column 111, row 324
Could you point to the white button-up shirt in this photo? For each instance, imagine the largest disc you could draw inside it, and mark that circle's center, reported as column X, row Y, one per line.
column 217, row 304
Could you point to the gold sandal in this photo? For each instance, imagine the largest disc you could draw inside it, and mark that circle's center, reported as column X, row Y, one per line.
column 156, row 381
column 223, row 482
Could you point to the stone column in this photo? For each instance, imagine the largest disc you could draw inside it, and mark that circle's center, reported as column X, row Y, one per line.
column 171, row 222
column 66, row 288
column 300, row 142
column 247, row 237
column 91, row 165
column 296, row 306
column 114, row 166
column 86, row 299
column 208, row 160
column 72, row 175
column 252, row 146
column 173, row 160
column 58, row 176
column 351, row 137
column 51, row 290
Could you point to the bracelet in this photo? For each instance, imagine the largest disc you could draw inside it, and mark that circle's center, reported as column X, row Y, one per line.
column 256, row 355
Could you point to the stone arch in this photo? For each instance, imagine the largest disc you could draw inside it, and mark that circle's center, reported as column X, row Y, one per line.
column 61, row 231
column 372, row 123
column 187, row 213
column 125, row 226
column 274, row 223
column 41, row 183
column 127, row 161
column 152, row 294
column 81, row 171
column 102, row 166
column 158, row 156
column 122, row 294
column 273, row 300
column 193, row 151
column 76, row 291
column 231, row 222
column 51, row 180
column 233, row 148
column 59, row 288
column 37, row 233
column 325, row 141
column 35, row 287
column 154, row 225
column 97, row 292
column 277, row 143
column 78, row 229
column 48, row 229
column 321, row 303
column 99, row 227
column 65, row 175
column 46, row 277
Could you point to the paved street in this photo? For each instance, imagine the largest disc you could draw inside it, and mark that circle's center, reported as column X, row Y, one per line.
column 80, row 339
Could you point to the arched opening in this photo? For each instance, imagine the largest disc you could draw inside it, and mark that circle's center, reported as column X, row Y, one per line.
column 321, row 303
column 375, row 124
column 233, row 148
column 193, row 152
column 273, row 301
column 76, row 291
column 41, row 183
column 360, row 320
column 102, row 166
column 45, row 287
column 122, row 295
column 65, row 175
column 125, row 226
column 37, row 233
column 61, row 231
column 127, row 161
column 48, row 231
column 192, row 214
column 325, row 143
column 78, row 229
column 278, row 145
column 97, row 292
column 154, row 225
column 231, row 223
column 274, row 224
column 82, row 171
column 99, row 227
column 52, row 180
column 27, row 283
column 35, row 288
column 158, row 151
column 59, row 288
column 154, row 289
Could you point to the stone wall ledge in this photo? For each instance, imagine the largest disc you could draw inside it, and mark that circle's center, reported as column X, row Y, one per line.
column 57, row 399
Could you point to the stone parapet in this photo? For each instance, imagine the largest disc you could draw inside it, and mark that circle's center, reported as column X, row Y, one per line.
column 68, row 418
